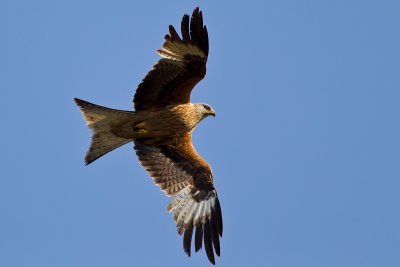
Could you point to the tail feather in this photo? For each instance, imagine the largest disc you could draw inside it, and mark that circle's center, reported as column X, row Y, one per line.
column 103, row 121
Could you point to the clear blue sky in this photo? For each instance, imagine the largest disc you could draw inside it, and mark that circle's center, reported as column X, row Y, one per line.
column 305, row 147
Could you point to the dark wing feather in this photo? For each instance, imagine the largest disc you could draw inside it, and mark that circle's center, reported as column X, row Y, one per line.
column 185, row 29
column 187, row 239
column 181, row 173
column 214, row 233
column 182, row 66
column 198, row 238
column 208, row 243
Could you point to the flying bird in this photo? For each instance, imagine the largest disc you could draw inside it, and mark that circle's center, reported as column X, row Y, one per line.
column 161, row 128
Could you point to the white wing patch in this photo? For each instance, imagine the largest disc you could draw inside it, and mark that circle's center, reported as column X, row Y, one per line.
column 177, row 51
column 189, row 212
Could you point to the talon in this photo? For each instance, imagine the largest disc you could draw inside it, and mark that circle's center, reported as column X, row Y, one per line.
column 139, row 128
column 140, row 124
column 142, row 131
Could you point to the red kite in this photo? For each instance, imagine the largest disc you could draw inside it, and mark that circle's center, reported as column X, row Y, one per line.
column 161, row 127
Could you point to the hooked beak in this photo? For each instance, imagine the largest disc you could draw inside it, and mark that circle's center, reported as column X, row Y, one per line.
column 212, row 113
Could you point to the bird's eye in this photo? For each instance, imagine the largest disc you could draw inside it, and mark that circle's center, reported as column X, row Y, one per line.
column 207, row 108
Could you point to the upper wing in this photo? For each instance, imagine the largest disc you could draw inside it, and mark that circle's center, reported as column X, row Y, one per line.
column 182, row 66
column 180, row 172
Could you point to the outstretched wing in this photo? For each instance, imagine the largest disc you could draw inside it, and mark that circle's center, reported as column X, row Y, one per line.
column 181, row 173
column 182, row 66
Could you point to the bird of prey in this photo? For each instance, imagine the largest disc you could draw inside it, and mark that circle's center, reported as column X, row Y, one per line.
column 161, row 129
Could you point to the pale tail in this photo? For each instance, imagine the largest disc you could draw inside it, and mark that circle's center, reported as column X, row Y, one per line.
column 102, row 120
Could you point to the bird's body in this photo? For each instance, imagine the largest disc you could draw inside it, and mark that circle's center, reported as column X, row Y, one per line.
column 161, row 128
column 157, row 125
column 173, row 120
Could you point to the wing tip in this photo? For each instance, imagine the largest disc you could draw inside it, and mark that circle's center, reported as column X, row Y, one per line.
column 208, row 229
column 198, row 33
column 208, row 245
column 187, row 240
column 192, row 30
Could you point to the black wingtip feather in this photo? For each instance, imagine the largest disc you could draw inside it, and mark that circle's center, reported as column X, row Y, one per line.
column 187, row 240
column 200, row 24
column 198, row 32
column 198, row 237
column 174, row 35
column 192, row 30
column 205, row 40
column 185, row 28
column 208, row 243
column 214, row 234
column 218, row 216
column 207, row 233
column 193, row 26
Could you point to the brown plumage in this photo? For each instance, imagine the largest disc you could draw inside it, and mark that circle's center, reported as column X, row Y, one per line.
column 161, row 127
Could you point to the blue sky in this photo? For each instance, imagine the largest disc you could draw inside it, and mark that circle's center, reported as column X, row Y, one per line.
column 305, row 147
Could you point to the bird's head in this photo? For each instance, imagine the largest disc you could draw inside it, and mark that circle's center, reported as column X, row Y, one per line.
column 206, row 110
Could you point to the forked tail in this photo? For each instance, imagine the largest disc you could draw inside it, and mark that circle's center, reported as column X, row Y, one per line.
column 103, row 121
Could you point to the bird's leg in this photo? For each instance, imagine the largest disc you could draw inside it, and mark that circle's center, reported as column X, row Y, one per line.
column 139, row 128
